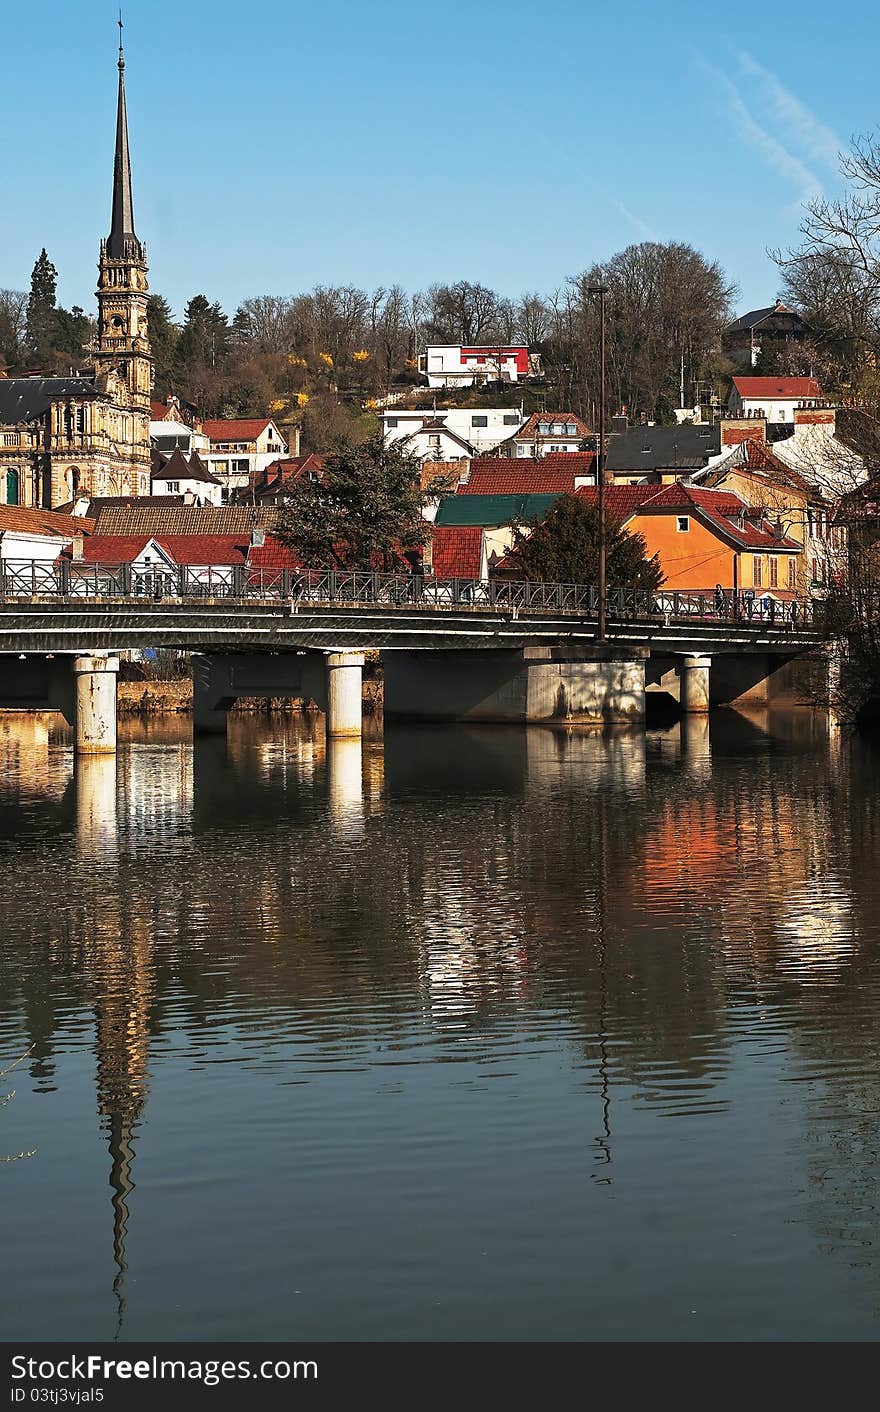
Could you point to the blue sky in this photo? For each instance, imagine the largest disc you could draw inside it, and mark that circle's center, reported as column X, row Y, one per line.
column 278, row 145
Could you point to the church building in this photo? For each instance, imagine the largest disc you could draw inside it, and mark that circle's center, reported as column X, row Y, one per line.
column 90, row 432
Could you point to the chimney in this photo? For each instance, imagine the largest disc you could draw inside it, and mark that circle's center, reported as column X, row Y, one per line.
column 736, row 430
column 619, row 425
column 189, row 497
column 76, row 547
column 815, row 416
column 258, row 537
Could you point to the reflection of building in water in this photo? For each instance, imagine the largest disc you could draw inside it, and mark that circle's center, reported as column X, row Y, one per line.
column 25, row 740
column 474, row 952
column 816, row 931
column 587, row 758
column 294, row 741
column 155, row 801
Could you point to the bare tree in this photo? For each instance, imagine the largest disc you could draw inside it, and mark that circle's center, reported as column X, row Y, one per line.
column 13, row 327
column 833, row 277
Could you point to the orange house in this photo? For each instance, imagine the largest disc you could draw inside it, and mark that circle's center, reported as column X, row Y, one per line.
column 706, row 539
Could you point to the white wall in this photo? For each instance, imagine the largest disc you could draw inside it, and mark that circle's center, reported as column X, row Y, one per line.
column 398, row 424
column 15, row 544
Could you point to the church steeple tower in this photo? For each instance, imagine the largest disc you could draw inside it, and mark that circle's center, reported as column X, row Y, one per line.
column 122, row 221
column 123, row 339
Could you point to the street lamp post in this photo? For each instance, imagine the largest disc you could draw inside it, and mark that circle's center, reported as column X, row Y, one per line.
column 601, row 290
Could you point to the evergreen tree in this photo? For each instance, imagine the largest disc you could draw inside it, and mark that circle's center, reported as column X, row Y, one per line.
column 364, row 513
column 164, row 338
column 71, row 333
column 564, row 548
column 205, row 335
column 41, row 309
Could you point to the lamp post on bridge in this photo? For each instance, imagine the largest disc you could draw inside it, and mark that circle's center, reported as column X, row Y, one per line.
column 601, row 290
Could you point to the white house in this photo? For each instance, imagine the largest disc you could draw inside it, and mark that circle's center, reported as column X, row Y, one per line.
column 240, row 448
column 455, row 365
column 179, row 474
column 451, row 433
column 775, row 399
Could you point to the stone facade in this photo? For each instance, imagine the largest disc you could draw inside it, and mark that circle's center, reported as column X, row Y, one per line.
column 90, row 432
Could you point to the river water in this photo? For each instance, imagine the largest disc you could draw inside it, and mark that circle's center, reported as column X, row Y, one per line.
column 495, row 1034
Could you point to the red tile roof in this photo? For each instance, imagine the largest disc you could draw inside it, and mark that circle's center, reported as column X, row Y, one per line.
column 715, row 507
column 273, row 555
column 457, row 551
column 551, row 475
column 777, row 387
column 189, row 549
column 243, row 429
column 528, row 430
column 49, row 522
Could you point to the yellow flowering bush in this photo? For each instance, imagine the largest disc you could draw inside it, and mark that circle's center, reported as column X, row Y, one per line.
column 361, row 355
column 326, row 359
column 302, row 399
column 277, row 405
column 295, row 361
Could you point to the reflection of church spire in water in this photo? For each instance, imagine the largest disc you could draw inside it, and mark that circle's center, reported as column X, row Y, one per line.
column 603, row 1140
column 122, row 1157
column 119, row 957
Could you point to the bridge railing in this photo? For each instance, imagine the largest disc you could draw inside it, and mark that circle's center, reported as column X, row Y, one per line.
column 75, row 580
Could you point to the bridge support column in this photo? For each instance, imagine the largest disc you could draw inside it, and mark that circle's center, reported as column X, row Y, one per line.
column 345, row 677
column 695, row 683
column 94, row 726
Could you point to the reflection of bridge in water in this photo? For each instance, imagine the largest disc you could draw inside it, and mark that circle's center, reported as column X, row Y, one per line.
column 453, row 650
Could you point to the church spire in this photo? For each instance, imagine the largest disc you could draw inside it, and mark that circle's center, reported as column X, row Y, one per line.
column 122, row 223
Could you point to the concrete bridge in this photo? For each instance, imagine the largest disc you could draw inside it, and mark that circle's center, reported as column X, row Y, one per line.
column 451, row 649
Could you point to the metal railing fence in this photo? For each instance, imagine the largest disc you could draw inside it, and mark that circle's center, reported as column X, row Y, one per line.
column 71, row 580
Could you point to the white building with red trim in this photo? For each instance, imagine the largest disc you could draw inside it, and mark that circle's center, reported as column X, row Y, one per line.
column 460, row 365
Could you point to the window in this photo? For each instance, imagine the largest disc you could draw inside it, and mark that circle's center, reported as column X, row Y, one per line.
column 570, row 429
column 10, row 438
column 543, row 428
column 792, row 572
column 774, row 571
column 390, row 422
column 240, row 467
column 220, row 468
column 757, row 567
column 174, row 487
column 682, row 524
column 511, row 419
column 12, row 487
column 479, row 421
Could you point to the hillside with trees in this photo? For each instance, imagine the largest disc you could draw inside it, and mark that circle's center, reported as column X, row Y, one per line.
column 327, row 357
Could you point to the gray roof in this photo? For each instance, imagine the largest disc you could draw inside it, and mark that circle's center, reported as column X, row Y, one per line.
column 679, row 448
column 26, row 399
column 757, row 316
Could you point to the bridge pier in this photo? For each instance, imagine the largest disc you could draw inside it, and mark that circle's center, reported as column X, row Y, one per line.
column 219, row 679
column 594, row 685
column 695, row 684
column 94, row 723
column 345, row 679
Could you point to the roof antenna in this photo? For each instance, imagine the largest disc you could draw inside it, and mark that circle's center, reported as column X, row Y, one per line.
column 121, row 55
